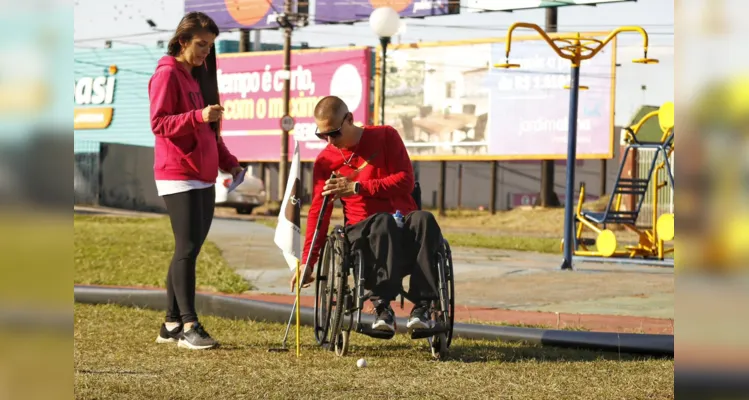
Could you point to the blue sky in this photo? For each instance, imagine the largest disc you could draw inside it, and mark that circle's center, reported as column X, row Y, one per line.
column 125, row 23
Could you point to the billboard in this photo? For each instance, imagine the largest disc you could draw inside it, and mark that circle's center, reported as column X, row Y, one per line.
column 251, row 91
column 332, row 11
column 473, row 6
column 449, row 103
column 261, row 14
column 236, row 14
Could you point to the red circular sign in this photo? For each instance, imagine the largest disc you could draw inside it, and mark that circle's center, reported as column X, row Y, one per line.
column 397, row 5
column 247, row 12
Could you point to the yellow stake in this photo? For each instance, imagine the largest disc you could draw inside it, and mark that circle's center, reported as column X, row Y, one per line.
column 298, row 305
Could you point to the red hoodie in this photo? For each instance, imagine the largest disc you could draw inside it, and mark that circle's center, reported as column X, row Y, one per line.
column 186, row 147
column 382, row 167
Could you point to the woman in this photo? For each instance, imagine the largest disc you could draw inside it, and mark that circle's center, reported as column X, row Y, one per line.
column 188, row 152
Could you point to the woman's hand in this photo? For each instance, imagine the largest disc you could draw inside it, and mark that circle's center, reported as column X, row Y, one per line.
column 213, row 113
column 236, row 171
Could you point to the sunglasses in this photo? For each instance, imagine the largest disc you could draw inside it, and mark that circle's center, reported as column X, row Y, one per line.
column 332, row 134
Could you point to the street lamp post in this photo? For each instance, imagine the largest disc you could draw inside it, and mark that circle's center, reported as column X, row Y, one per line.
column 385, row 23
column 576, row 49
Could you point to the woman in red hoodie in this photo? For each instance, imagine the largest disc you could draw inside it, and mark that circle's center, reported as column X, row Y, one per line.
column 188, row 152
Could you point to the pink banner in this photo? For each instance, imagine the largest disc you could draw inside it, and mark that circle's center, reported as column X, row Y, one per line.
column 251, row 90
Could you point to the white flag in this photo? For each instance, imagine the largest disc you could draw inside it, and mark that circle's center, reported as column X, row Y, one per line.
column 288, row 231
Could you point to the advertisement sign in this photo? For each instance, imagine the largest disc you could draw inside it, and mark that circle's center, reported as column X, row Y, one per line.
column 93, row 97
column 345, row 11
column 449, row 103
column 531, row 107
column 260, row 14
column 469, row 6
column 235, row 14
column 251, row 91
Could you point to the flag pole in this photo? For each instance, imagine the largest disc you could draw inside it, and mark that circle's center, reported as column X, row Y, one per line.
column 298, row 291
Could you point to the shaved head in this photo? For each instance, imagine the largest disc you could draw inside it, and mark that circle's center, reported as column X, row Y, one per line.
column 330, row 109
column 335, row 123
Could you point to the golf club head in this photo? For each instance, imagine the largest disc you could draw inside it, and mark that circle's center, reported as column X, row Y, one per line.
column 278, row 350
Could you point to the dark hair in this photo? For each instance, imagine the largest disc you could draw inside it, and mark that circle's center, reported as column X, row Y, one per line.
column 190, row 25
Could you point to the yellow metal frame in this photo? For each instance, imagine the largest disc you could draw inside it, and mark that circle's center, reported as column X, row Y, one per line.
column 448, row 157
column 650, row 245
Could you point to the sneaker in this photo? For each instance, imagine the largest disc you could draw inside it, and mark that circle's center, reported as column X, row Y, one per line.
column 420, row 317
column 385, row 320
column 167, row 336
column 197, row 339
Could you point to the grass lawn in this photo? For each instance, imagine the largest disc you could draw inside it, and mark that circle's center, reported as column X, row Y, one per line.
column 535, row 222
column 137, row 251
column 126, row 363
column 470, row 239
column 523, row 229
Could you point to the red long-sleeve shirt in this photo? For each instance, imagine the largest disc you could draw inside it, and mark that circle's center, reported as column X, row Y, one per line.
column 380, row 163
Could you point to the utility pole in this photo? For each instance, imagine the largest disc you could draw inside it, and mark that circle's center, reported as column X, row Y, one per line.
column 244, row 40
column 548, row 198
column 287, row 20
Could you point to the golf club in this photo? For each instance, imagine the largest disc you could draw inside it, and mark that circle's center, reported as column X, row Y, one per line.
column 301, row 280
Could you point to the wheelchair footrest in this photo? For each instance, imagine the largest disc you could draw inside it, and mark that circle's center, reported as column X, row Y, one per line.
column 367, row 330
column 426, row 333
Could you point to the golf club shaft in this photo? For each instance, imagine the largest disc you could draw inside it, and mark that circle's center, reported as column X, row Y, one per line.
column 306, row 265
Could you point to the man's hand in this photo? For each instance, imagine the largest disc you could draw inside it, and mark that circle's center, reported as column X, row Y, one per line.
column 338, row 187
column 306, row 280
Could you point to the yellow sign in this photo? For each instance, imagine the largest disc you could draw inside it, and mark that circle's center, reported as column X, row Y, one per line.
column 97, row 92
column 92, row 118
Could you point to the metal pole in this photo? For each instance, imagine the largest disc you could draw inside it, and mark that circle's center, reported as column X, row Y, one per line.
column 460, row 186
column 283, row 175
column 244, row 40
column 571, row 155
column 493, row 201
column 384, row 42
column 548, row 197
column 441, row 199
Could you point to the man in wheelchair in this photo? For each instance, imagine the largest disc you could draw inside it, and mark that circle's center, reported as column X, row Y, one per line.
column 373, row 179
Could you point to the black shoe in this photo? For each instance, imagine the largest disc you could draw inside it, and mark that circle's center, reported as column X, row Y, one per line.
column 197, row 339
column 385, row 320
column 167, row 336
column 420, row 317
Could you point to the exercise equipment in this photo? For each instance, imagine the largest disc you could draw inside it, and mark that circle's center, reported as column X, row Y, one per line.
column 654, row 241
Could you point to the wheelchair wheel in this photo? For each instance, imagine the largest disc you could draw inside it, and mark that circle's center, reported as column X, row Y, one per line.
column 337, row 280
column 438, row 344
column 322, row 297
column 444, row 311
column 450, row 278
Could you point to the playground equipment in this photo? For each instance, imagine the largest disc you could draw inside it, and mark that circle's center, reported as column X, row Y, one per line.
column 652, row 240
column 576, row 49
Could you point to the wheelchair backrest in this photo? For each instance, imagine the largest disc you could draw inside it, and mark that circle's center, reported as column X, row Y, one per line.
column 416, row 194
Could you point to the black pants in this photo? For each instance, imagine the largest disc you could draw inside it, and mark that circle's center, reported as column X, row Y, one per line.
column 191, row 214
column 391, row 253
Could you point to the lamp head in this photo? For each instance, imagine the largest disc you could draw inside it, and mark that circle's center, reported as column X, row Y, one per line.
column 384, row 21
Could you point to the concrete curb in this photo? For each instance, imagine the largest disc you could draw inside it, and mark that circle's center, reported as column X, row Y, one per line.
column 239, row 308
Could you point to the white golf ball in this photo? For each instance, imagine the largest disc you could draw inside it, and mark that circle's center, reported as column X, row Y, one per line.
column 361, row 363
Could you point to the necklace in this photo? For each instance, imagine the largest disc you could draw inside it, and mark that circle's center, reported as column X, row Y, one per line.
column 345, row 161
column 348, row 162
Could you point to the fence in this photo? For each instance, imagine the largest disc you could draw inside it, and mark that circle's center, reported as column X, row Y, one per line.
column 86, row 172
column 665, row 195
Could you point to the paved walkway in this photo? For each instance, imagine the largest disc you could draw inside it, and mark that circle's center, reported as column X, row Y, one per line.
column 485, row 278
column 491, row 285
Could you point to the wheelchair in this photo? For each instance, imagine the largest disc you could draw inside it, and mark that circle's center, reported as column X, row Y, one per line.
column 340, row 297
